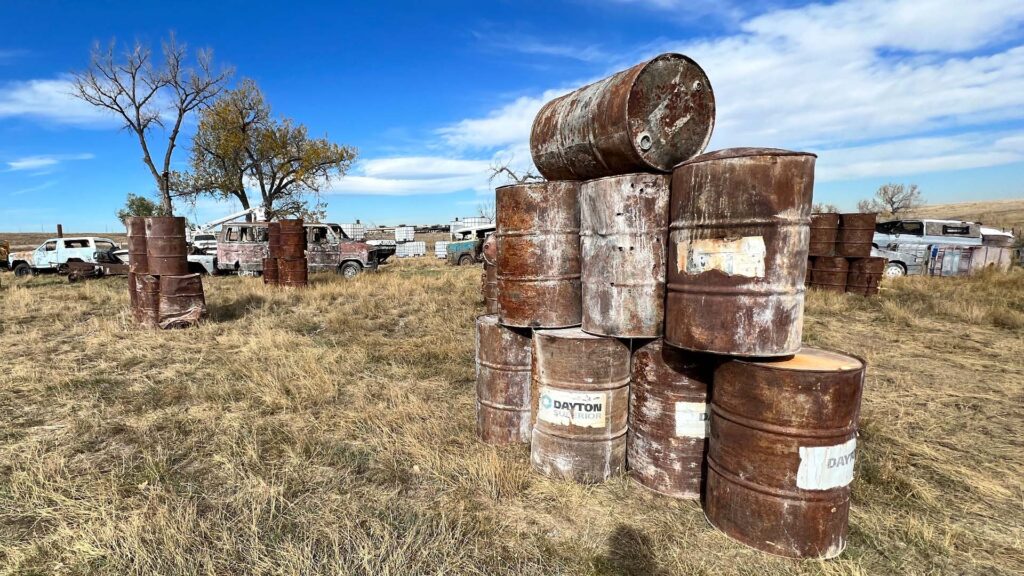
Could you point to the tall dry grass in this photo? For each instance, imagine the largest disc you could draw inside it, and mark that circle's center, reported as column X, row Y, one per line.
column 331, row 431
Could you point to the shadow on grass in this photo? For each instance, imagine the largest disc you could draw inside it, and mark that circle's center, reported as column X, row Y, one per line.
column 236, row 308
column 630, row 554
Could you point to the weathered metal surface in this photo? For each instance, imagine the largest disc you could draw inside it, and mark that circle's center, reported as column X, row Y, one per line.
column 865, row 275
column 647, row 118
column 737, row 254
column 271, row 275
column 273, row 239
column 668, row 419
column 293, row 239
column 855, row 234
column 781, row 452
column 149, row 300
column 327, row 250
column 502, row 382
column 137, row 261
column 293, row 273
column 538, row 258
column 166, row 249
column 824, row 228
column 490, row 249
column 580, row 397
column 829, row 273
column 242, row 246
column 490, row 275
column 182, row 301
column 623, row 232
column 133, row 296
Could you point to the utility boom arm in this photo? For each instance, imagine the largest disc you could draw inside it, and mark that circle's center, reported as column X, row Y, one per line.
column 208, row 226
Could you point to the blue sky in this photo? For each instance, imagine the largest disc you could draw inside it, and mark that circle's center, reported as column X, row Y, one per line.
column 432, row 93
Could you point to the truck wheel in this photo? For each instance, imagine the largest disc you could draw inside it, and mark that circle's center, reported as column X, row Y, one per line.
column 895, row 270
column 22, row 270
column 350, row 269
column 466, row 260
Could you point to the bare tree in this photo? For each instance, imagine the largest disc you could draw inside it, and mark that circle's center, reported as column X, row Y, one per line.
column 487, row 209
column 893, row 199
column 144, row 95
column 511, row 176
column 821, row 208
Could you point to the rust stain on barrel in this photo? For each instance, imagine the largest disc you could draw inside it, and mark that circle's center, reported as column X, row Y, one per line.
column 668, row 419
column 824, row 228
column 829, row 273
column 149, row 300
column 737, row 253
column 781, row 452
column 502, row 382
column 166, row 249
column 538, row 245
column 490, row 275
column 182, row 301
column 855, row 235
column 137, row 261
column 292, row 239
column 292, row 272
column 865, row 275
column 647, row 118
column 271, row 275
column 579, row 397
column 624, row 229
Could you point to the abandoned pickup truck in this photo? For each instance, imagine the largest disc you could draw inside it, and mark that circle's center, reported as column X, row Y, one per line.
column 56, row 254
column 467, row 247
column 242, row 246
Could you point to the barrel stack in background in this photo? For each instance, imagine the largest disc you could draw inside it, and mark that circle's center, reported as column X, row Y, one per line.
column 503, row 359
column 865, row 275
column 829, row 273
column 271, row 270
column 840, row 254
column 163, row 293
column 292, row 267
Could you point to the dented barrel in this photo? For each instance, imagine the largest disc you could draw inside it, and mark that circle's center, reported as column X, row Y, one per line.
column 166, row 249
column 271, row 274
column 623, row 232
column 855, row 235
column 668, row 419
column 644, row 119
column 137, row 261
column 538, row 246
column 829, row 273
column 149, row 300
column 502, row 382
column 580, row 397
column 292, row 244
column 865, row 275
column 824, row 228
column 782, row 451
column 182, row 301
column 737, row 254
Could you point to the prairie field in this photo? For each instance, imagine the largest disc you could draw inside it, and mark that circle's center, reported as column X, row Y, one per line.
column 331, row 431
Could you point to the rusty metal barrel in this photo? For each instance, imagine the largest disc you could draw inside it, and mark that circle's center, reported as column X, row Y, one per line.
column 274, row 239
column 668, row 419
column 538, row 244
column 502, row 382
column 137, row 261
column 824, row 228
column 133, row 295
column 644, row 119
column 737, row 254
column 166, row 249
column 829, row 273
column 293, row 239
column 580, row 398
column 855, row 235
column 865, row 275
column 271, row 274
column 182, row 301
column 292, row 272
column 782, row 451
column 623, row 232
column 149, row 300
column 490, row 275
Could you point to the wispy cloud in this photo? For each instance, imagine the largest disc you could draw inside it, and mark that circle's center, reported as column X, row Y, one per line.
column 31, row 189
column 411, row 175
column 526, row 44
column 50, row 100
column 44, row 161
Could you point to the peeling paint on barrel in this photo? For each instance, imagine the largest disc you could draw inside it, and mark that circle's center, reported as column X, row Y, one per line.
column 503, row 363
column 737, row 252
column 624, row 229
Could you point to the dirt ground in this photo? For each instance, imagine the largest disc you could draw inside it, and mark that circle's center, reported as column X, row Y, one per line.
column 331, row 431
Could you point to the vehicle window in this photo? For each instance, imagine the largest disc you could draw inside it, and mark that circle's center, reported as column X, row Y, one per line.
column 50, row 246
column 205, row 237
column 951, row 230
column 234, row 234
column 910, row 227
column 885, row 227
column 104, row 246
column 317, row 234
column 76, row 243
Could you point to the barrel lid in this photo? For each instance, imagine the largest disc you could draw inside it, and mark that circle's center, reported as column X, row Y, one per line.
column 487, row 319
column 815, row 360
column 728, row 153
column 574, row 332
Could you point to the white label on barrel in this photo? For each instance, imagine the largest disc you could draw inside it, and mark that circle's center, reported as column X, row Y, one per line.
column 826, row 467
column 564, row 408
column 733, row 256
column 692, row 420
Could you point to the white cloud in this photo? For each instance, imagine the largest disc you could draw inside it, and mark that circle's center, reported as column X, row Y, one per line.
column 44, row 161
column 526, row 44
column 49, row 99
column 508, row 125
column 410, row 175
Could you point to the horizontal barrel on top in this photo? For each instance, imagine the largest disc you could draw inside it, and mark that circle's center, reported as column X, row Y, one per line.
column 580, row 395
column 865, row 275
column 824, row 228
column 855, row 235
column 782, row 450
column 624, row 229
column 829, row 273
column 737, row 254
column 538, row 254
column 166, row 249
column 502, row 382
column 647, row 118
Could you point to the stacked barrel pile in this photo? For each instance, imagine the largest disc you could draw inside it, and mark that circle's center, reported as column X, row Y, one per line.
column 162, row 292
column 285, row 264
column 650, row 314
column 840, row 254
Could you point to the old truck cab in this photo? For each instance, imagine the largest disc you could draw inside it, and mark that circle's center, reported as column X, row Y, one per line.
column 55, row 254
column 467, row 247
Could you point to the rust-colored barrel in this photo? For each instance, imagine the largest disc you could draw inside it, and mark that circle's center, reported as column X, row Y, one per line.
column 166, row 249
column 271, row 275
column 623, row 232
column 293, row 239
column 737, row 254
column 292, row 272
column 182, row 301
column 490, row 287
column 137, row 261
column 829, row 273
column 824, row 228
column 133, row 295
column 580, row 397
column 781, row 452
column 865, row 275
column 490, row 249
column 668, row 419
column 644, row 119
column 149, row 300
column 274, row 239
column 538, row 243
column 855, row 235
column 502, row 382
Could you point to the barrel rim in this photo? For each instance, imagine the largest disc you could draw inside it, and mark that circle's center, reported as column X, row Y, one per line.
column 772, row 363
column 742, row 152
column 539, row 183
column 665, row 175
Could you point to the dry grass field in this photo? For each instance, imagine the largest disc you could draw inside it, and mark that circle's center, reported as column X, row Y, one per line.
column 331, row 431
column 995, row 213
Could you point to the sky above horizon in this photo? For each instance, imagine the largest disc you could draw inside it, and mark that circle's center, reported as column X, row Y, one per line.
column 434, row 93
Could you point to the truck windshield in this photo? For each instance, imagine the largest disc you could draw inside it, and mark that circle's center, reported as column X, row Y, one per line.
column 910, row 227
